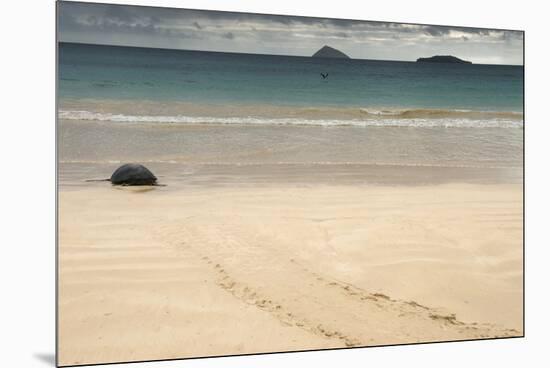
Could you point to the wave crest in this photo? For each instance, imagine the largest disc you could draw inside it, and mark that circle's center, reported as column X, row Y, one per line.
column 390, row 118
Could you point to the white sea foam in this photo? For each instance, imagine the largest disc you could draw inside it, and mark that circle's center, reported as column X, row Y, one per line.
column 398, row 118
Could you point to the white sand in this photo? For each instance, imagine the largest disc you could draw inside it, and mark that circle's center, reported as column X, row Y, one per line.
column 179, row 273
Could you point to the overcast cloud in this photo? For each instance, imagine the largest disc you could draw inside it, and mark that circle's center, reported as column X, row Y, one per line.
column 282, row 35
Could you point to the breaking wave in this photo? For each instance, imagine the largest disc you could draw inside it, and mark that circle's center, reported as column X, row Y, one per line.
column 340, row 117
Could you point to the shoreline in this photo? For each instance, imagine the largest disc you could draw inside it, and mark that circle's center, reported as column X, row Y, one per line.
column 186, row 175
column 461, row 152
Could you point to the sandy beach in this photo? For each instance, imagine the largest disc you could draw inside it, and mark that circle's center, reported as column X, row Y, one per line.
column 173, row 272
column 323, row 184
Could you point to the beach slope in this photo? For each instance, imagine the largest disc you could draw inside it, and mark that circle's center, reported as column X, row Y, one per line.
column 173, row 273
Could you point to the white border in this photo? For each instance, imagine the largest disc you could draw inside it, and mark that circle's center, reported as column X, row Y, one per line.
column 27, row 202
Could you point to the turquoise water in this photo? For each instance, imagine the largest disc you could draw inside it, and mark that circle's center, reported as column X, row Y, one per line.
column 128, row 73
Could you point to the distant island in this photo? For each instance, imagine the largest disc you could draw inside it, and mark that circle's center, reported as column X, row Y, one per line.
column 443, row 59
column 329, row 52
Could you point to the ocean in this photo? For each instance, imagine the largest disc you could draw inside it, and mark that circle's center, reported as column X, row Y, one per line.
column 204, row 109
column 108, row 72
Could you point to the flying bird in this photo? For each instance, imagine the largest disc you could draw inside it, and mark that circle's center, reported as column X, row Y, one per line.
column 325, row 75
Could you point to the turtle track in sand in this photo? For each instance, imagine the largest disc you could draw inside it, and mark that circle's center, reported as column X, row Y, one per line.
column 334, row 320
column 278, row 310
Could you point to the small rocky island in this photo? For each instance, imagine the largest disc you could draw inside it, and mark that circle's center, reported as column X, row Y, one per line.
column 329, row 52
column 443, row 59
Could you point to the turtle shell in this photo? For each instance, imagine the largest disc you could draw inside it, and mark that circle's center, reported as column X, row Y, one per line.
column 133, row 174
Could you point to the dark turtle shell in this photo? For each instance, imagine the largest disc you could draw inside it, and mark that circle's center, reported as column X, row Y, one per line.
column 133, row 174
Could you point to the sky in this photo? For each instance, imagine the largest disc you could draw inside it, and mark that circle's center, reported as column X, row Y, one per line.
column 125, row 25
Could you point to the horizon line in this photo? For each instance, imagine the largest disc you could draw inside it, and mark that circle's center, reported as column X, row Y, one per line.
column 261, row 54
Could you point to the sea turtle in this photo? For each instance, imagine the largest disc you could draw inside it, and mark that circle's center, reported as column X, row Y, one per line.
column 131, row 174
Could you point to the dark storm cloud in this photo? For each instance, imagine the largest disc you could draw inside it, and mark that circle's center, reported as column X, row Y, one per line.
column 511, row 36
column 273, row 34
column 341, row 34
column 436, row 31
